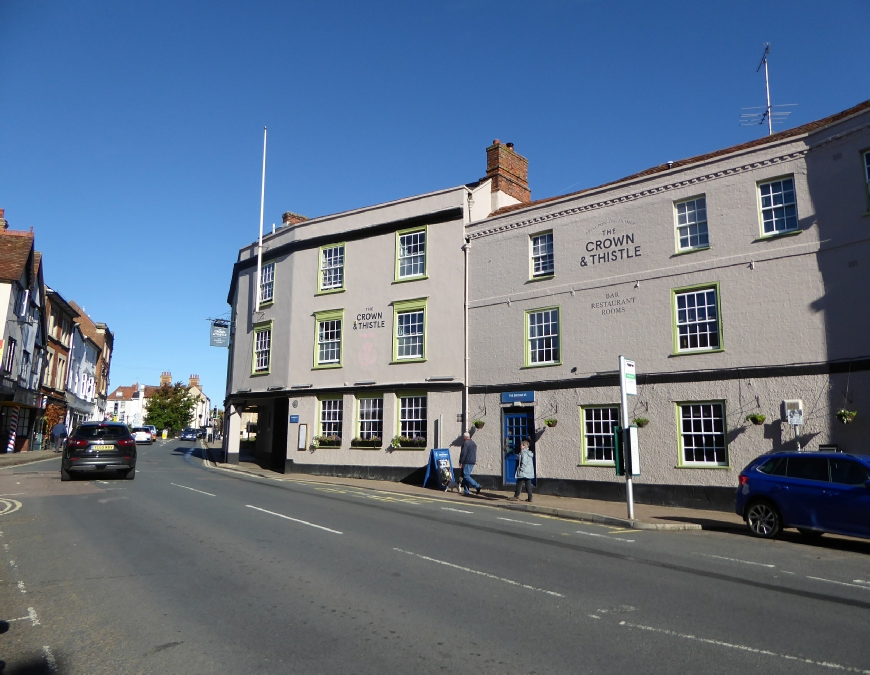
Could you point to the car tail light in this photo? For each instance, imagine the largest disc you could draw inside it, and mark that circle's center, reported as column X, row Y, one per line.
column 742, row 479
column 126, row 442
column 76, row 443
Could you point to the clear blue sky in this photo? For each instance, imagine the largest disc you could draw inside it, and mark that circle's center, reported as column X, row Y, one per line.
column 131, row 132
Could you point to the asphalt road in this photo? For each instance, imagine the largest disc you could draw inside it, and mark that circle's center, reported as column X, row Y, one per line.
column 196, row 570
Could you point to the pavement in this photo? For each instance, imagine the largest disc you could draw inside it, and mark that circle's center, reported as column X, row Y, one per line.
column 647, row 517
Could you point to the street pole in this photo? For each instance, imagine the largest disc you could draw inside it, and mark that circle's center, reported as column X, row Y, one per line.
column 629, row 494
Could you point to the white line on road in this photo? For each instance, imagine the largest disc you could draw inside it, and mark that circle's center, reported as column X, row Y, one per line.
column 745, row 562
column 21, row 587
column 8, row 506
column 743, row 648
column 447, row 508
column 295, row 520
column 31, row 614
column 483, row 574
column 13, row 494
column 49, row 659
column 860, row 581
column 193, row 489
column 519, row 521
column 605, row 536
column 840, row 583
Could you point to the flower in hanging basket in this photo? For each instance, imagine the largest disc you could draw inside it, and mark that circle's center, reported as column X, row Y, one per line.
column 756, row 418
column 640, row 422
column 478, row 424
column 551, row 422
column 846, row 416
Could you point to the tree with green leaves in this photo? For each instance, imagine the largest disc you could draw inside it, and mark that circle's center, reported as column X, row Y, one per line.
column 170, row 407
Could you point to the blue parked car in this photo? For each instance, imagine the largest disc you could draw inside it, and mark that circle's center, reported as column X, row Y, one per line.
column 815, row 492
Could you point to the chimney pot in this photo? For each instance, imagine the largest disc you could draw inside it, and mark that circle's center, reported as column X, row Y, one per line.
column 510, row 145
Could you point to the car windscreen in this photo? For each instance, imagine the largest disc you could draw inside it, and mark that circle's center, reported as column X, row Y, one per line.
column 108, row 431
column 135, row 429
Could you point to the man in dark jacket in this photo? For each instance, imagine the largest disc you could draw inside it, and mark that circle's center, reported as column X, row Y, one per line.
column 467, row 460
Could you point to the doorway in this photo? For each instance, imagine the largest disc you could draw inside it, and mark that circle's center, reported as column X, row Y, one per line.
column 516, row 427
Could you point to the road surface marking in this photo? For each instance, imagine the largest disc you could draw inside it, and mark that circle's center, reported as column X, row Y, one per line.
column 13, row 494
column 193, row 489
column 295, row 520
column 859, row 581
column 744, row 648
column 483, row 574
column 21, row 587
column 745, row 562
column 447, row 508
column 520, row 521
column 605, row 536
column 31, row 614
column 840, row 583
column 49, row 659
column 8, row 506
column 594, row 617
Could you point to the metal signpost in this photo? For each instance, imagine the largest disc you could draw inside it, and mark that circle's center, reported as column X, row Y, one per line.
column 628, row 387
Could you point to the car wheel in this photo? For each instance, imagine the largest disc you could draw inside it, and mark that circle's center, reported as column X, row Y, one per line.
column 812, row 535
column 763, row 519
column 64, row 474
column 131, row 474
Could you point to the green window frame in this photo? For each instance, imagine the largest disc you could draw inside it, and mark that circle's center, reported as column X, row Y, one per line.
column 543, row 337
column 596, row 433
column 408, row 331
column 411, row 263
column 331, row 264
column 330, row 415
column 261, row 348
column 328, row 339
column 542, row 262
column 412, row 413
column 690, row 224
column 777, row 206
column 702, row 434
column 267, row 283
column 691, row 309
column 369, row 417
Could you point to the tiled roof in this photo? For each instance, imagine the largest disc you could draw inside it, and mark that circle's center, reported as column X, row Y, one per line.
column 127, row 392
column 15, row 247
column 782, row 135
column 87, row 326
column 37, row 259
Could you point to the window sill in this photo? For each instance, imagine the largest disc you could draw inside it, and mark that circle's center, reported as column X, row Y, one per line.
column 718, row 467
column 330, row 291
column 366, row 447
column 418, row 448
column 268, row 303
column 700, row 351
column 687, row 251
column 777, row 235
column 605, row 465
column 326, row 366
column 398, row 361
column 543, row 277
column 541, row 365
column 262, row 372
column 405, row 280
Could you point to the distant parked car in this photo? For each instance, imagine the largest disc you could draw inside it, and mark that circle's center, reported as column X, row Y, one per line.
column 188, row 435
column 152, row 429
column 142, row 435
column 815, row 492
column 97, row 447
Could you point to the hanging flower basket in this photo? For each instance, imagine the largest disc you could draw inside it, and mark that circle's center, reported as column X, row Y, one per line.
column 640, row 422
column 846, row 416
column 756, row 418
column 478, row 424
column 551, row 422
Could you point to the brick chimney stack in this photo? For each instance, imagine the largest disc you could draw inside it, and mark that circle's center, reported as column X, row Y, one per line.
column 509, row 172
column 290, row 218
column 3, row 224
column 193, row 382
column 165, row 378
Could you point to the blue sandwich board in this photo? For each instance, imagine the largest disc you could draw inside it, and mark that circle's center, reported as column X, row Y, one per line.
column 438, row 457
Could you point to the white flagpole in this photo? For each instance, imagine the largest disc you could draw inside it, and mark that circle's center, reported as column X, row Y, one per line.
column 260, row 244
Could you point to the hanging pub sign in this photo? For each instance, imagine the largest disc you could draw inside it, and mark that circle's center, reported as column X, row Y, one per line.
column 220, row 333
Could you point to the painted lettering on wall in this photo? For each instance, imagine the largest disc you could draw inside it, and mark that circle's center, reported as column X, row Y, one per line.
column 369, row 319
column 610, row 246
column 613, row 304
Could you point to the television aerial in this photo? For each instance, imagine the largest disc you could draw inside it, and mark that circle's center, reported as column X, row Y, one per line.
column 761, row 114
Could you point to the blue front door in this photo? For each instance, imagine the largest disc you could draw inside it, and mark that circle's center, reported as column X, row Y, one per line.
column 517, row 426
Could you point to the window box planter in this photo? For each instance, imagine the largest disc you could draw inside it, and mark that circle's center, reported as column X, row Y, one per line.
column 756, row 419
column 326, row 441
column 375, row 442
column 846, row 416
column 416, row 443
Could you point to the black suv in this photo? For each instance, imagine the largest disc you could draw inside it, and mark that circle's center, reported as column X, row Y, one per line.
column 98, row 447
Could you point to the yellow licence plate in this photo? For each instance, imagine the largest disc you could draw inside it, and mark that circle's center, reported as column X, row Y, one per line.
column 102, row 447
